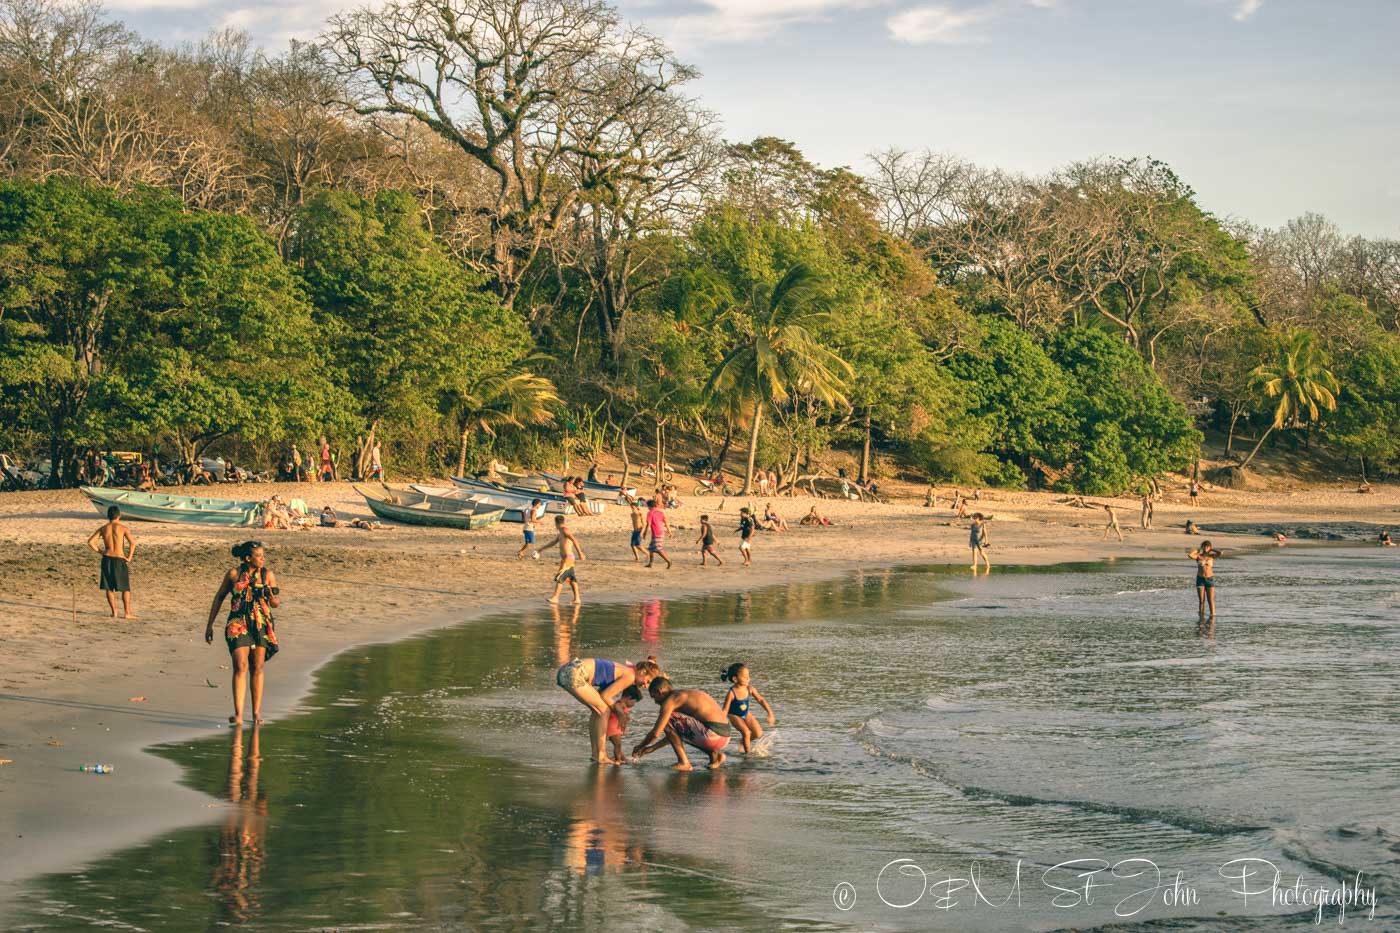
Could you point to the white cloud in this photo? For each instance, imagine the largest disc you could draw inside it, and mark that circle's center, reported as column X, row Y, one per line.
column 740, row 20
column 1246, row 9
column 922, row 24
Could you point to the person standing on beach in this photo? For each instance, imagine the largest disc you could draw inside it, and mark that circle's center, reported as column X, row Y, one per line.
column 597, row 683
column 977, row 540
column 527, row 524
column 1194, row 491
column 656, row 523
column 638, row 525
column 569, row 552
column 248, row 632
column 1146, row 510
column 326, row 473
column 1112, row 525
column 1205, row 556
column 376, row 463
column 116, row 547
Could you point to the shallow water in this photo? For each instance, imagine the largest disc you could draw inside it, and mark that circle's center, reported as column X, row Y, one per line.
column 931, row 729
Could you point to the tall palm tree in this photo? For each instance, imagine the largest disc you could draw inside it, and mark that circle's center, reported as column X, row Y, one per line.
column 505, row 399
column 1298, row 378
column 776, row 354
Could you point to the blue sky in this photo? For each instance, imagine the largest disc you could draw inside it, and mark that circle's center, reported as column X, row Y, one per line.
column 1268, row 108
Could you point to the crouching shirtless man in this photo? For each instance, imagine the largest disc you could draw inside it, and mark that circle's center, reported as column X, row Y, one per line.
column 687, row 717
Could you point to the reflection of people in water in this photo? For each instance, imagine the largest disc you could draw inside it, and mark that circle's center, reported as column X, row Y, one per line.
column 653, row 617
column 596, row 840
column 564, row 633
column 241, row 855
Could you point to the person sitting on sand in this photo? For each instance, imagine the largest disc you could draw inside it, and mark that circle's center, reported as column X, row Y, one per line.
column 1205, row 556
column 1384, row 540
column 597, row 683
column 328, row 518
column 812, row 518
column 772, row 520
column 147, row 482
column 1280, row 538
column 274, row 516
column 1364, row 489
column 736, row 704
column 687, row 717
column 1191, row 528
column 248, row 632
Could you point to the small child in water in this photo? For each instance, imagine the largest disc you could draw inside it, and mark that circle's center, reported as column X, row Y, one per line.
column 736, row 704
column 707, row 542
column 619, row 715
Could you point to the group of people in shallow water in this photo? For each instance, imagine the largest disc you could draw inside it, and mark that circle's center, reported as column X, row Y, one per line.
column 685, row 717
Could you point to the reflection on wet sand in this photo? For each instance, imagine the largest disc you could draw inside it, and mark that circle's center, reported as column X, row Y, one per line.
column 565, row 631
column 242, row 854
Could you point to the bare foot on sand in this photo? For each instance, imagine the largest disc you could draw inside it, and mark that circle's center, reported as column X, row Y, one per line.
column 553, row 600
column 683, row 766
column 716, row 762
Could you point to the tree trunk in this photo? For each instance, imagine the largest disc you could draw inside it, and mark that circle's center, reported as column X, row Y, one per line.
column 1247, row 460
column 728, row 440
column 864, row 476
column 1230, row 435
column 622, row 448
column 462, row 452
column 753, row 447
column 1364, row 480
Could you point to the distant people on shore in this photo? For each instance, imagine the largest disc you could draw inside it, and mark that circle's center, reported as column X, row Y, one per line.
column 1147, row 510
column 658, row 528
column 1280, row 538
column 772, row 521
column 248, row 631
column 1384, row 539
column 978, row 540
column 116, row 545
column 1194, row 490
column 814, row 518
column 1205, row 557
column 376, row 463
column 1112, row 526
column 326, row 471
column 747, row 526
column 639, row 524
column 1191, row 528
column 528, row 519
column 707, row 542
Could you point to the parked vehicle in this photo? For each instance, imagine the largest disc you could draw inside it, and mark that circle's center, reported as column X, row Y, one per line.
column 14, row 478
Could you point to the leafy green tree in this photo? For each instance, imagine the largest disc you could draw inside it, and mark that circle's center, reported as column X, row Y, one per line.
column 402, row 324
column 1368, row 407
column 1296, row 382
column 498, row 400
column 776, row 352
column 1128, row 426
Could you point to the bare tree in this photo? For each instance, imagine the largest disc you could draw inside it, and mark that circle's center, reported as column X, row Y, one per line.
column 508, row 83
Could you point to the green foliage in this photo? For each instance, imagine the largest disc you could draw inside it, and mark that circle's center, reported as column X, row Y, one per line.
column 1368, row 408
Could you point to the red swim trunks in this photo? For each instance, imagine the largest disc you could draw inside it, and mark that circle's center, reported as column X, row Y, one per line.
column 706, row 736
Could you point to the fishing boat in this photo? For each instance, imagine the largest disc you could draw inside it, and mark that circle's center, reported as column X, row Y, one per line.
column 522, row 495
column 515, row 508
column 411, row 507
column 184, row 510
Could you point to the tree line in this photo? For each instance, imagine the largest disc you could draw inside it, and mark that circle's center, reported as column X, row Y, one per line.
column 504, row 228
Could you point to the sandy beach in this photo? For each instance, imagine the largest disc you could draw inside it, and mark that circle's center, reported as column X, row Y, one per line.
column 80, row 687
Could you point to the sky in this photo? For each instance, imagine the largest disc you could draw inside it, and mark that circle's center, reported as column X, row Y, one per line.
column 1267, row 108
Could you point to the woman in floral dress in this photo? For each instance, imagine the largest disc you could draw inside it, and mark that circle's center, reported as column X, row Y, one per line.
column 248, row 631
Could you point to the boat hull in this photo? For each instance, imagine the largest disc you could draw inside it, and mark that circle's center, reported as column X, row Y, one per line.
column 178, row 510
column 517, row 497
column 466, row 516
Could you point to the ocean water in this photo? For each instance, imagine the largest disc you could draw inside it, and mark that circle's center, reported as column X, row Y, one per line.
column 1030, row 750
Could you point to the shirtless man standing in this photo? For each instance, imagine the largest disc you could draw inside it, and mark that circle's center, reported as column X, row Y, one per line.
column 116, row 546
column 1205, row 556
column 569, row 551
column 692, row 717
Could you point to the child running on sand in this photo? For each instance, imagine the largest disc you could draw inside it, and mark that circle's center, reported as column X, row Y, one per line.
column 619, row 715
column 1205, row 556
column 746, row 530
column 736, row 705
column 707, row 542
column 569, row 551
column 527, row 524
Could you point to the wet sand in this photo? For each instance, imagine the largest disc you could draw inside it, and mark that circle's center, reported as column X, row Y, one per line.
column 68, row 688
